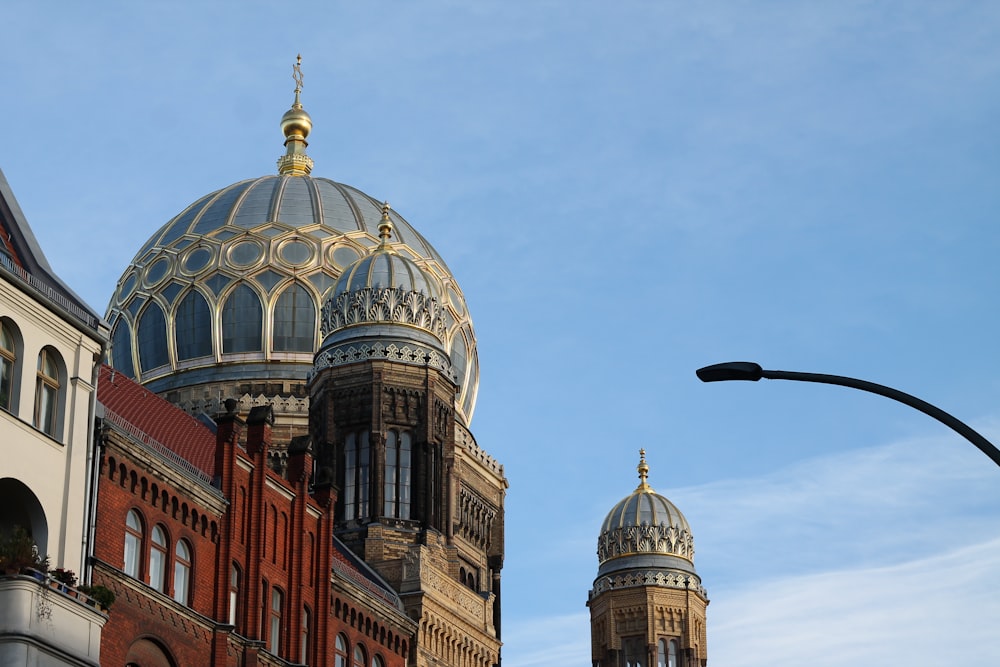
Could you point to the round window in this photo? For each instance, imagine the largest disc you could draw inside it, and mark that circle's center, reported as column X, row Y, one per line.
column 245, row 253
column 157, row 271
column 197, row 259
column 295, row 253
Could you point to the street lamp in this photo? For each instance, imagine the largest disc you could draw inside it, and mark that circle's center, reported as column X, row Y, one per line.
column 748, row 370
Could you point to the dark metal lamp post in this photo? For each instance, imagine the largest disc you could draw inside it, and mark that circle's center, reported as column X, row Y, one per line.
column 748, row 370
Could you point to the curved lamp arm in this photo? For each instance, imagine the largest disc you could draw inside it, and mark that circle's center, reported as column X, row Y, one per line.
column 748, row 370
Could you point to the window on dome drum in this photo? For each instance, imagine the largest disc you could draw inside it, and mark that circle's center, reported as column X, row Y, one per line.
column 397, row 474
column 133, row 543
column 634, row 649
column 234, row 592
column 48, row 393
column 121, row 349
column 8, row 366
column 193, row 327
column 304, row 644
column 294, row 321
column 182, row 571
column 357, row 463
column 158, row 559
column 359, row 656
column 277, row 605
column 340, row 652
column 242, row 321
column 152, row 338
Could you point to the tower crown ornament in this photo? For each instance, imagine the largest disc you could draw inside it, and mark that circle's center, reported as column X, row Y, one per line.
column 296, row 125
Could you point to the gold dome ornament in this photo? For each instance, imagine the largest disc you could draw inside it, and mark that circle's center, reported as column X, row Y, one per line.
column 296, row 125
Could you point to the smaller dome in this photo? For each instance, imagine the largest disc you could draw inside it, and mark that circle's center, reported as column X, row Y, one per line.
column 384, row 306
column 645, row 526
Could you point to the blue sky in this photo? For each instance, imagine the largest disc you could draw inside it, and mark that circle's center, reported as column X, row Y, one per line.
column 625, row 193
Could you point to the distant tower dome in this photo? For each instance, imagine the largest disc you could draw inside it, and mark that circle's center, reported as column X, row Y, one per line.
column 384, row 306
column 645, row 529
column 225, row 298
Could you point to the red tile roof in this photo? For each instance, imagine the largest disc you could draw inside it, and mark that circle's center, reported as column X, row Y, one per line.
column 157, row 419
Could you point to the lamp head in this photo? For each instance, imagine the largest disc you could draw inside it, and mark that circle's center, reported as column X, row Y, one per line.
column 731, row 370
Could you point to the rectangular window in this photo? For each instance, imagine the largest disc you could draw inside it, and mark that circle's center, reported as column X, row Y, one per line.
column 274, row 638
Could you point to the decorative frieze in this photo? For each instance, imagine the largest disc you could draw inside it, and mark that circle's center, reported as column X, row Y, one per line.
column 383, row 304
column 645, row 538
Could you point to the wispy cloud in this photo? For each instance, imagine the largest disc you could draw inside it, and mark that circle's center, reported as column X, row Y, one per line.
column 915, row 613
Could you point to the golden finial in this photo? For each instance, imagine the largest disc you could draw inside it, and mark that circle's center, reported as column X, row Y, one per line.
column 385, row 226
column 643, row 469
column 296, row 125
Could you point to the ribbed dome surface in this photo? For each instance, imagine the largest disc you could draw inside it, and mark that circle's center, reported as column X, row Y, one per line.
column 645, row 522
column 240, row 276
column 386, row 269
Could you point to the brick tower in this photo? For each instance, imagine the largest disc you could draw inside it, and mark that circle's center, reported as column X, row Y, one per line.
column 419, row 501
column 647, row 607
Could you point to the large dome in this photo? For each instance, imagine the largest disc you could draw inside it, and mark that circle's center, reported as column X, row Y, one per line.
column 230, row 290
column 645, row 529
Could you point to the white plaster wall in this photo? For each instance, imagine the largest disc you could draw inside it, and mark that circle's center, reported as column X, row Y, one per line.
column 55, row 469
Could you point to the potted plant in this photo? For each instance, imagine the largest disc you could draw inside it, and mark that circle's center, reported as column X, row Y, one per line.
column 65, row 578
column 19, row 554
column 99, row 594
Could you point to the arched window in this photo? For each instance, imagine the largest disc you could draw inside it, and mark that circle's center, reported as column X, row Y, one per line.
column 277, row 606
column 359, row 656
column 672, row 651
column 182, row 571
column 133, row 543
column 234, row 592
column 340, row 652
column 377, row 661
column 8, row 366
column 294, row 321
column 357, row 462
column 152, row 338
column 398, row 452
column 304, row 647
column 48, row 393
column 193, row 327
column 635, row 651
column 158, row 558
column 121, row 348
column 242, row 321
column 661, row 653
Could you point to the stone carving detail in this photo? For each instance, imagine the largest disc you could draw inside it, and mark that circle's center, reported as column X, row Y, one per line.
column 475, row 517
column 443, row 416
column 402, row 406
column 661, row 539
column 660, row 578
column 383, row 304
column 410, row 353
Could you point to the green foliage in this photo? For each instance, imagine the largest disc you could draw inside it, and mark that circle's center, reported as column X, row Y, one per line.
column 102, row 594
column 18, row 552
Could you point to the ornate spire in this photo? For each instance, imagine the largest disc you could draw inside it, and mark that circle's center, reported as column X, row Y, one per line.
column 296, row 125
column 385, row 226
column 643, row 469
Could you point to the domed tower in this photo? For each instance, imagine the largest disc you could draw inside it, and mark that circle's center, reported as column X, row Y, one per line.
column 223, row 301
column 647, row 607
column 419, row 500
